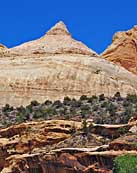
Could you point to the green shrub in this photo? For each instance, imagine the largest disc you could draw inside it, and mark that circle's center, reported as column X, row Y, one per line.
column 112, row 109
column 57, row 104
column 66, row 101
column 7, row 108
column 101, row 97
column 125, row 164
column 117, row 94
column 123, row 130
column 83, row 97
column 48, row 102
column 135, row 144
column 19, row 117
column 34, row 103
column 84, row 126
column 104, row 104
column 132, row 98
column 75, row 103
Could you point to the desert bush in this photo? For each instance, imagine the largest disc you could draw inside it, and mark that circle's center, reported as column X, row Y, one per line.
column 117, row 94
column 66, row 101
column 57, row 104
column 104, row 104
column 20, row 117
column 75, row 103
column 101, row 97
column 83, row 97
column 48, row 102
column 34, row 103
column 131, row 98
column 84, row 126
column 7, row 108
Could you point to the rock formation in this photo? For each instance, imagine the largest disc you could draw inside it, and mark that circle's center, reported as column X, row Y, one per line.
column 52, row 67
column 55, row 66
column 37, row 146
column 123, row 50
column 57, row 40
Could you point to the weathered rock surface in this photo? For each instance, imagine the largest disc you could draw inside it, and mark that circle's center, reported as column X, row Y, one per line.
column 126, row 142
column 63, row 163
column 37, row 146
column 123, row 50
column 57, row 40
column 55, row 66
column 111, row 131
column 23, row 138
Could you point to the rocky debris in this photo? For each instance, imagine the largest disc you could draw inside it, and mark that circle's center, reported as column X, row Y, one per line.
column 123, row 50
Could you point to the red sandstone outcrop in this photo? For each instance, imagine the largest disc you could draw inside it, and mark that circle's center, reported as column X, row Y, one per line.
column 25, row 137
column 63, row 163
column 127, row 142
column 123, row 50
column 35, row 146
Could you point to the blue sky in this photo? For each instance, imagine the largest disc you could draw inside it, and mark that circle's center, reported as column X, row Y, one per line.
column 92, row 21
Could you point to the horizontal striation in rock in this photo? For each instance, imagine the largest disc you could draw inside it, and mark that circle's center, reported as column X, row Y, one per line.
column 123, row 50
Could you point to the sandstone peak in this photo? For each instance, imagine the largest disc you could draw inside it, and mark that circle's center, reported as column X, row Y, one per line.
column 123, row 50
column 59, row 29
column 55, row 66
column 57, row 40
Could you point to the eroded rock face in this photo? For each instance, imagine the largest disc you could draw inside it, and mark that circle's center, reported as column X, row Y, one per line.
column 41, row 146
column 123, row 50
column 24, row 138
column 55, row 66
column 126, row 142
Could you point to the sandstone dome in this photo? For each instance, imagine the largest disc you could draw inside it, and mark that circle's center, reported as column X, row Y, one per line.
column 55, row 66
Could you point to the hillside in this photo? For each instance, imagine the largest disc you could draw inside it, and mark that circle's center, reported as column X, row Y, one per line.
column 44, row 138
column 66, row 109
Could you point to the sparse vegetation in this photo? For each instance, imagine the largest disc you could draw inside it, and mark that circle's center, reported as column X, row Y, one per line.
column 125, row 164
column 84, row 127
column 109, row 110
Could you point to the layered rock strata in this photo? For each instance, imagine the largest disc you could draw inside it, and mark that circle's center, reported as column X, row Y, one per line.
column 123, row 50
column 55, row 66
